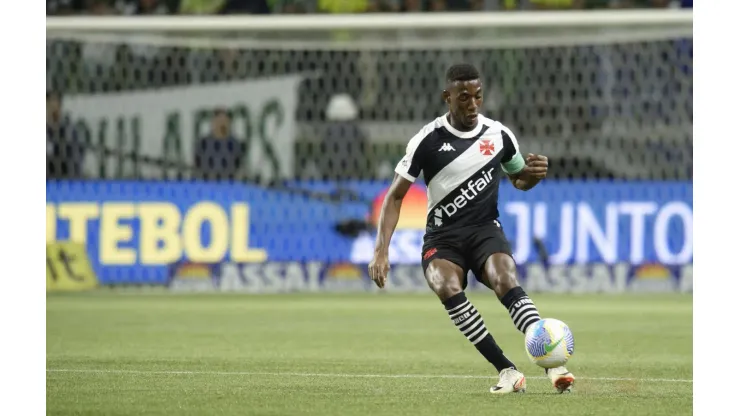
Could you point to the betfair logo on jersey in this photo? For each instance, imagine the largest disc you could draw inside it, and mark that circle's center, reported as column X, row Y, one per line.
column 474, row 187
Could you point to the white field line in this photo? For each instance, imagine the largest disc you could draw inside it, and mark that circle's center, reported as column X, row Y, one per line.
column 336, row 375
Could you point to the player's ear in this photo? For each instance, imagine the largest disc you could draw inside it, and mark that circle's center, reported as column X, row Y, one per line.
column 446, row 96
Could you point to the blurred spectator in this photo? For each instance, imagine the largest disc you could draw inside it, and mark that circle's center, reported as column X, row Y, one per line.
column 219, row 156
column 246, row 7
column 412, row 6
column 656, row 4
column 437, row 5
column 99, row 7
column 344, row 140
column 292, row 6
column 458, row 5
column 383, row 6
column 144, row 7
column 62, row 7
column 65, row 153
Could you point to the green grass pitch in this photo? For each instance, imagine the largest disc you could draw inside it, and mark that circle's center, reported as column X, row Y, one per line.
column 358, row 354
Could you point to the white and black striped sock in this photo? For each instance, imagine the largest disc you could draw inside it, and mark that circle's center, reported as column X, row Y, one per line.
column 521, row 308
column 467, row 319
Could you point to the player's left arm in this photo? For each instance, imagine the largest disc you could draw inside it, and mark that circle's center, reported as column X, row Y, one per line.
column 525, row 174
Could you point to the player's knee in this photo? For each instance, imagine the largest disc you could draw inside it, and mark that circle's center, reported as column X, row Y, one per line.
column 445, row 285
column 501, row 275
column 503, row 282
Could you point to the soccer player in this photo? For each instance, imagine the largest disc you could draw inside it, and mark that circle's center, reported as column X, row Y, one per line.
column 460, row 155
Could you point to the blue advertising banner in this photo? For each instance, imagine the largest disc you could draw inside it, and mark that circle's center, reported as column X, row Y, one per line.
column 134, row 231
column 317, row 276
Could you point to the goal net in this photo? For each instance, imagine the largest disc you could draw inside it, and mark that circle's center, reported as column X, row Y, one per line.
column 603, row 94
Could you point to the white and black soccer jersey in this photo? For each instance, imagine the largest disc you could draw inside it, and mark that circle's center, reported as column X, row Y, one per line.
column 461, row 171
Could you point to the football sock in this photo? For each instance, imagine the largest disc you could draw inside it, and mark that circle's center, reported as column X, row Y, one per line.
column 467, row 319
column 521, row 308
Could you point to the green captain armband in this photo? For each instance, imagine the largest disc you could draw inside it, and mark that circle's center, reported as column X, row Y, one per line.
column 515, row 165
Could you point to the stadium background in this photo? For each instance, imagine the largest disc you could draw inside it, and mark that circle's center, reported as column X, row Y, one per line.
column 256, row 161
column 218, row 180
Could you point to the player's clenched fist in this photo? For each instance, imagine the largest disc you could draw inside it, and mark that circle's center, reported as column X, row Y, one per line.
column 536, row 166
column 378, row 269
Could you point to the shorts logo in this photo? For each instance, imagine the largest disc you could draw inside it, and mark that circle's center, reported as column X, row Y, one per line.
column 430, row 253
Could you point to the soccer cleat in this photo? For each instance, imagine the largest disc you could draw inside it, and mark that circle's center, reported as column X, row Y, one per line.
column 510, row 381
column 562, row 379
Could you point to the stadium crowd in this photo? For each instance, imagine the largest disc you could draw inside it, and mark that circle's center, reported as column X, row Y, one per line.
column 161, row 7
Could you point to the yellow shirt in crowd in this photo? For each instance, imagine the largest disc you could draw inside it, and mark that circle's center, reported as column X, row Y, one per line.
column 201, row 6
column 342, row 6
column 553, row 4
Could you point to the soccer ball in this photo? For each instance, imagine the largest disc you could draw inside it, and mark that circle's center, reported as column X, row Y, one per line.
column 549, row 343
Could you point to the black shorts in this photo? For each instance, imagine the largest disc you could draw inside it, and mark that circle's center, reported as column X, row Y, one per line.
column 468, row 247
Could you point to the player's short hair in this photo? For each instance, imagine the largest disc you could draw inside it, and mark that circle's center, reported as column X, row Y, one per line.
column 462, row 72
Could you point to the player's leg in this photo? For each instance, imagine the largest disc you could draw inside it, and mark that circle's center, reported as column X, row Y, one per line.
column 489, row 253
column 448, row 281
column 499, row 274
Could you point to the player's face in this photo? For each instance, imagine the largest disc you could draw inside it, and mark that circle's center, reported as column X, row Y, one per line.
column 465, row 99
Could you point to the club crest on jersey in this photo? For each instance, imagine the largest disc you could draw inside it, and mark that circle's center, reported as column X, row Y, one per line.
column 486, row 147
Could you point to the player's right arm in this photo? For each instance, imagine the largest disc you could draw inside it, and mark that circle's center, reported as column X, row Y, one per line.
column 407, row 170
column 389, row 214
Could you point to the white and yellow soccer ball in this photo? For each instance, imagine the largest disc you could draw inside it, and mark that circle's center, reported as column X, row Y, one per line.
column 549, row 343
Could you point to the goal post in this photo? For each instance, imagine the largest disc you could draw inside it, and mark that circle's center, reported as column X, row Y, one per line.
column 371, row 21
column 602, row 93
